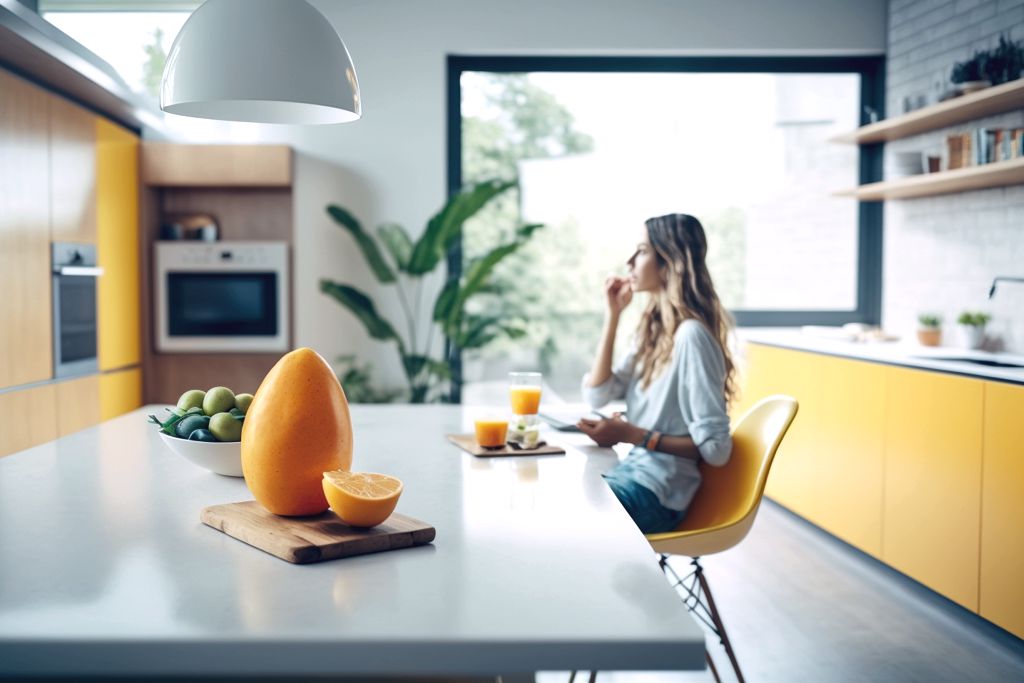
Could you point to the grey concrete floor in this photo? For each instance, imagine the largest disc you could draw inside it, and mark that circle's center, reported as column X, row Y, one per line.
column 801, row 606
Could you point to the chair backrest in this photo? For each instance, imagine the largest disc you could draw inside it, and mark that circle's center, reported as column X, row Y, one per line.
column 730, row 493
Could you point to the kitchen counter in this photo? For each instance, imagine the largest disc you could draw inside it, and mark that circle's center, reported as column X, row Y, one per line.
column 106, row 569
column 901, row 353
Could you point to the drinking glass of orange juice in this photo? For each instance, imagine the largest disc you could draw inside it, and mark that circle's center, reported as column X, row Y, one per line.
column 524, row 390
column 491, row 432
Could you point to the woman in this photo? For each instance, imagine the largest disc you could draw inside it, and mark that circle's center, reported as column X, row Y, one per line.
column 677, row 379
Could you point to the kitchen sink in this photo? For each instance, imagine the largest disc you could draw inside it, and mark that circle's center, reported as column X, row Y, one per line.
column 988, row 362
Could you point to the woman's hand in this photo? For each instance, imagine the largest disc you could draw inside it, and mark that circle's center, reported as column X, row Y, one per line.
column 608, row 432
column 617, row 293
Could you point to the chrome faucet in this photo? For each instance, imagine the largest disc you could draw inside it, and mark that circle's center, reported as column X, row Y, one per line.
column 1004, row 278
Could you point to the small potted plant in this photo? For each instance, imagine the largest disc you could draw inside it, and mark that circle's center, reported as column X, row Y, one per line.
column 929, row 330
column 972, row 328
column 970, row 75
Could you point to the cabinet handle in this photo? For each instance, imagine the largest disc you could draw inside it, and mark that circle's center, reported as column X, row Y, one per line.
column 86, row 271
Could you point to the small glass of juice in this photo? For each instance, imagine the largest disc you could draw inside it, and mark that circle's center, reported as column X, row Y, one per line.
column 524, row 392
column 491, row 432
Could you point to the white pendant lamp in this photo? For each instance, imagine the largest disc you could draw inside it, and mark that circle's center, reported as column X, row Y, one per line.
column 262, row 61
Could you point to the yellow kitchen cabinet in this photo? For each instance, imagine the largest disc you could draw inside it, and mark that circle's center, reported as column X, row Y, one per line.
column 117, row 220
column 29, row 418
column 932, row 509
column 78, row 404
column 72, row 172
column 120, row 392
column 793, row 477
column 1002, row 508
column 850, row 455
column 26, row 349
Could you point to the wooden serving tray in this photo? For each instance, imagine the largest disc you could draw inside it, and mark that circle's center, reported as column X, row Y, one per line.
column 467, row 442
column 301, row 540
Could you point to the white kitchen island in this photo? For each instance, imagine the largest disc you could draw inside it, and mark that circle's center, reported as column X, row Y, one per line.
column 105, row 568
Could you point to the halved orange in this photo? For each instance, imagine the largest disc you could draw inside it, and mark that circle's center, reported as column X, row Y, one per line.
column 362, row 498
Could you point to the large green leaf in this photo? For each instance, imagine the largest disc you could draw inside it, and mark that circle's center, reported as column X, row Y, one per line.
column 362, row 307
column 398, row 244
column 446, row 225
column 366, row 243
column 415, row 364
column 445, row 300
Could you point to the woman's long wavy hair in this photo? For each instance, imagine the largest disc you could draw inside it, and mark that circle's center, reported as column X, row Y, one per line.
column 687, row 291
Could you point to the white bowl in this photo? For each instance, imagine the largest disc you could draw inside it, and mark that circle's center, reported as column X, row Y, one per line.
column 220, row 457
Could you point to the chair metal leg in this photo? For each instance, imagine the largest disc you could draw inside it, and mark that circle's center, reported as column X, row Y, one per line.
column 572, row 677
column 718, row 622
column 711, row 665
column 593, row 676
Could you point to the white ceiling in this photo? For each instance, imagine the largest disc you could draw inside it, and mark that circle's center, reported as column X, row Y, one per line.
column 118, row 5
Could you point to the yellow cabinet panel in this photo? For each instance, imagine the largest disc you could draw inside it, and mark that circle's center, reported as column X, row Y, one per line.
column 850, row 457
column 1002, row 508
column 933, row 481
column 793, row 478
column 120, row 392
column 26, row 353
column 29, row 418
column 72, row 172
column 78, row 404
column 117, row 219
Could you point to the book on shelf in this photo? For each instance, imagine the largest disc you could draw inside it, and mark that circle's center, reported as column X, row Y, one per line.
column 982, row 146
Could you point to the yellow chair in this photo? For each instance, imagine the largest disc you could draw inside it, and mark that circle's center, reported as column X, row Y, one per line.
column 724, row 508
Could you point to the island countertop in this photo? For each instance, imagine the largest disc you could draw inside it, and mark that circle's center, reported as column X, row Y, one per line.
column 106, row 569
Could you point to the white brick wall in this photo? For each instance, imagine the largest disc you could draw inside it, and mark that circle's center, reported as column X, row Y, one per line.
column 941, row 253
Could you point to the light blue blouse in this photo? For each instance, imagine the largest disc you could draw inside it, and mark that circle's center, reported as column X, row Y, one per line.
column 686, row 399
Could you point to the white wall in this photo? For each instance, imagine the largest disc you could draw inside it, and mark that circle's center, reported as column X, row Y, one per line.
column 390, row 166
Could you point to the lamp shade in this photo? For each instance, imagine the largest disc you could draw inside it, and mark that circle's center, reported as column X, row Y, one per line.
column 263, row 61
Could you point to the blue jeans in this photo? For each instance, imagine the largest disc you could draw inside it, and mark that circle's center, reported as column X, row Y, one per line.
column 644, row 507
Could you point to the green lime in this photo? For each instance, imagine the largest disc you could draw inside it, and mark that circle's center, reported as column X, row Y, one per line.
column 190, row 424
column 202, row 435
column 218, row 400
column 243, row 401
column 193, row 398
column 225, row 427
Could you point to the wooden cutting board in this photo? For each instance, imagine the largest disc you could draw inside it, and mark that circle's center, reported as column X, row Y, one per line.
column 467, row 442
column 302, row 540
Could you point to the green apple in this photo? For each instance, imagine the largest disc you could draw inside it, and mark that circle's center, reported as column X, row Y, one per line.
column 226, row 427
column 243, row 401
column 218, row 400
column 193, row 398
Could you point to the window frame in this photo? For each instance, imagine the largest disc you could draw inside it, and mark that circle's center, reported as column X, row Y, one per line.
column 871, row 69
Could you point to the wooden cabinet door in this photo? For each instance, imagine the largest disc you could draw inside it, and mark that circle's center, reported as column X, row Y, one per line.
column 26, row 346
column 117, row 194
column 1002, row 508
column 120, row 392
column 72, row 172
column 933, row 481
column 78, row 404
column 29, row 418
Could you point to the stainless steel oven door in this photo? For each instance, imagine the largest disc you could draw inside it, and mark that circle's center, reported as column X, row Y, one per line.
column 74, row 309
column 221, row 297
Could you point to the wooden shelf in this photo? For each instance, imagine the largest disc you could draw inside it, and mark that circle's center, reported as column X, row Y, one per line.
column 177, row 165
column 997, row 174
column 993, row 100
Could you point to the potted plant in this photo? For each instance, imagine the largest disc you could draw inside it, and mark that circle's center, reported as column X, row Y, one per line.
column 1002, row 64
column 929, row 331
column 408, row 267
column 972, row 328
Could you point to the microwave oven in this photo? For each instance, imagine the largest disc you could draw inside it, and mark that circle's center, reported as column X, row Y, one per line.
column 221, row 296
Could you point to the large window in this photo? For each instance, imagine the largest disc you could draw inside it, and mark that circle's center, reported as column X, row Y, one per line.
column 599, row 145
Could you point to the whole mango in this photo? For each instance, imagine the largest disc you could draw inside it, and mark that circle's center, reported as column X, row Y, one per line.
column 297, row 427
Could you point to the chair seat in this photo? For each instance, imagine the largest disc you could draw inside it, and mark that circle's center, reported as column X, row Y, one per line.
column 701, row 542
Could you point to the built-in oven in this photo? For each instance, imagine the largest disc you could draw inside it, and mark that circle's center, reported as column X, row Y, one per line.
column 221, row 296
column 74, row 308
